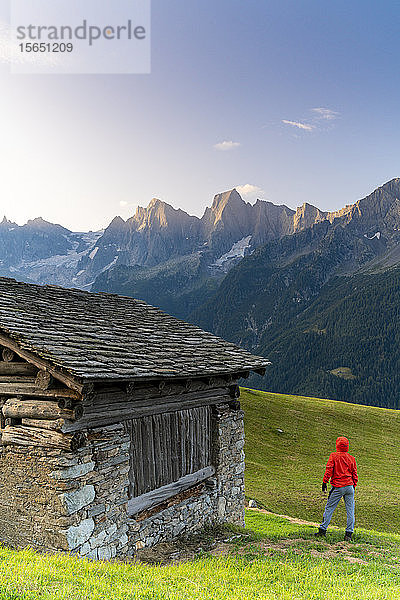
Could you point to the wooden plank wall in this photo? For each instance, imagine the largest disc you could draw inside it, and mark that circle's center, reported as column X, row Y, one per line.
column 166, row 447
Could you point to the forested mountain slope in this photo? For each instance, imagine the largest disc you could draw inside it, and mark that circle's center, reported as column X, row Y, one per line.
column 321, row 300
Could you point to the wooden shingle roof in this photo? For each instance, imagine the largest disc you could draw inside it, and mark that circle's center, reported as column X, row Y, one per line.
column 104, row 336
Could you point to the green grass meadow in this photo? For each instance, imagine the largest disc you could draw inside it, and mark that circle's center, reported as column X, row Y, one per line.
column 273, row 558
column 280, row 561
column 284, row 470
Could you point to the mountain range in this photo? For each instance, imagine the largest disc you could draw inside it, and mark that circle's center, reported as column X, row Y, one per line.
column 231, row 228
column 261, row 275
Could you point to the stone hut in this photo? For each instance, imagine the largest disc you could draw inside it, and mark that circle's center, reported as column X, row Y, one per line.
column 120, row 425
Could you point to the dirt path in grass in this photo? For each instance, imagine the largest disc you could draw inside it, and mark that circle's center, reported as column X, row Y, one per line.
column 223, row 545
column 291, row 519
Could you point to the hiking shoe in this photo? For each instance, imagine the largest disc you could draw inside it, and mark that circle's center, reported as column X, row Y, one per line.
column 320, row 533
column 347, row 536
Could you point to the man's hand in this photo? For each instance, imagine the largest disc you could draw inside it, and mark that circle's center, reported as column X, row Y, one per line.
column 324, row 487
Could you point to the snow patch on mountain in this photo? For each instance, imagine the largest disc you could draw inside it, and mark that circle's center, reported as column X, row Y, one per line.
column 111, row 264
column 376, row 235
column 238, row 250
column 59, row 269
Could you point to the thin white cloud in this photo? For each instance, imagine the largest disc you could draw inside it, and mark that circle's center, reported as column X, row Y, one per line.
column 225, row 146
column 124, row 204
column 299, row 125
column 325, row 113
column 248, row 191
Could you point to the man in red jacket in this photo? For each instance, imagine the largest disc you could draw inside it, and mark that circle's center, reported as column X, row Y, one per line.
column 341, row 469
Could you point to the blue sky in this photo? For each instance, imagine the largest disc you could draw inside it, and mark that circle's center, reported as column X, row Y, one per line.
column 230, row 102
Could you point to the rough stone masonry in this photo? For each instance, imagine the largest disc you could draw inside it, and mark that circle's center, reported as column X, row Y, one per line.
column 56, row 500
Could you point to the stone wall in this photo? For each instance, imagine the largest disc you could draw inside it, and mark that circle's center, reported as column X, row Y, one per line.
column 31, row 512
column 64, row 501
column 229, row 457
column 102, row 497
column 77, row 502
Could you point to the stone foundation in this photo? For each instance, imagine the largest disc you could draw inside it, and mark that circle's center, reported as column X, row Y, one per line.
column 77, row 502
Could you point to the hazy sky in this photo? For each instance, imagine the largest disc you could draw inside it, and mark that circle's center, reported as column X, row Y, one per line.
column 298, row 99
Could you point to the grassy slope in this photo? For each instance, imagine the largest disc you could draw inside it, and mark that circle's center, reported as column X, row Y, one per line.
column 284, row 470
column 280, row 561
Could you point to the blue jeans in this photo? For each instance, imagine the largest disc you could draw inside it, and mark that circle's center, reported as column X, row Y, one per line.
column 347, row 492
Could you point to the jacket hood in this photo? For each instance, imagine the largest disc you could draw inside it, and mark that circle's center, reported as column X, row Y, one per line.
column 342, row 444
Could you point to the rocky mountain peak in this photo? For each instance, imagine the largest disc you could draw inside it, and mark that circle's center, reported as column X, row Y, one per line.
column 40, row 224
column 160, row 215
column 377, row 211
column 117, row 223
column 307, row 215
column 155, row 202
column 6, row 222
column 226, row 201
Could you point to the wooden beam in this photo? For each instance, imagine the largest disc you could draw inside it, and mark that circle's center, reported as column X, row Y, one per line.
column 33, row 436
column 122, row 402
column 16, row 379
column 88, row 390
column 39, row 409
column 28, row 389
column 17, row 368
column 146, row 501
column 133, row 411
column 40, row 363
column 56, row 425
column 105, row 398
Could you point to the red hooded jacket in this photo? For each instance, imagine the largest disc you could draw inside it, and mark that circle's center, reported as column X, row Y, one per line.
column 341, row 468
